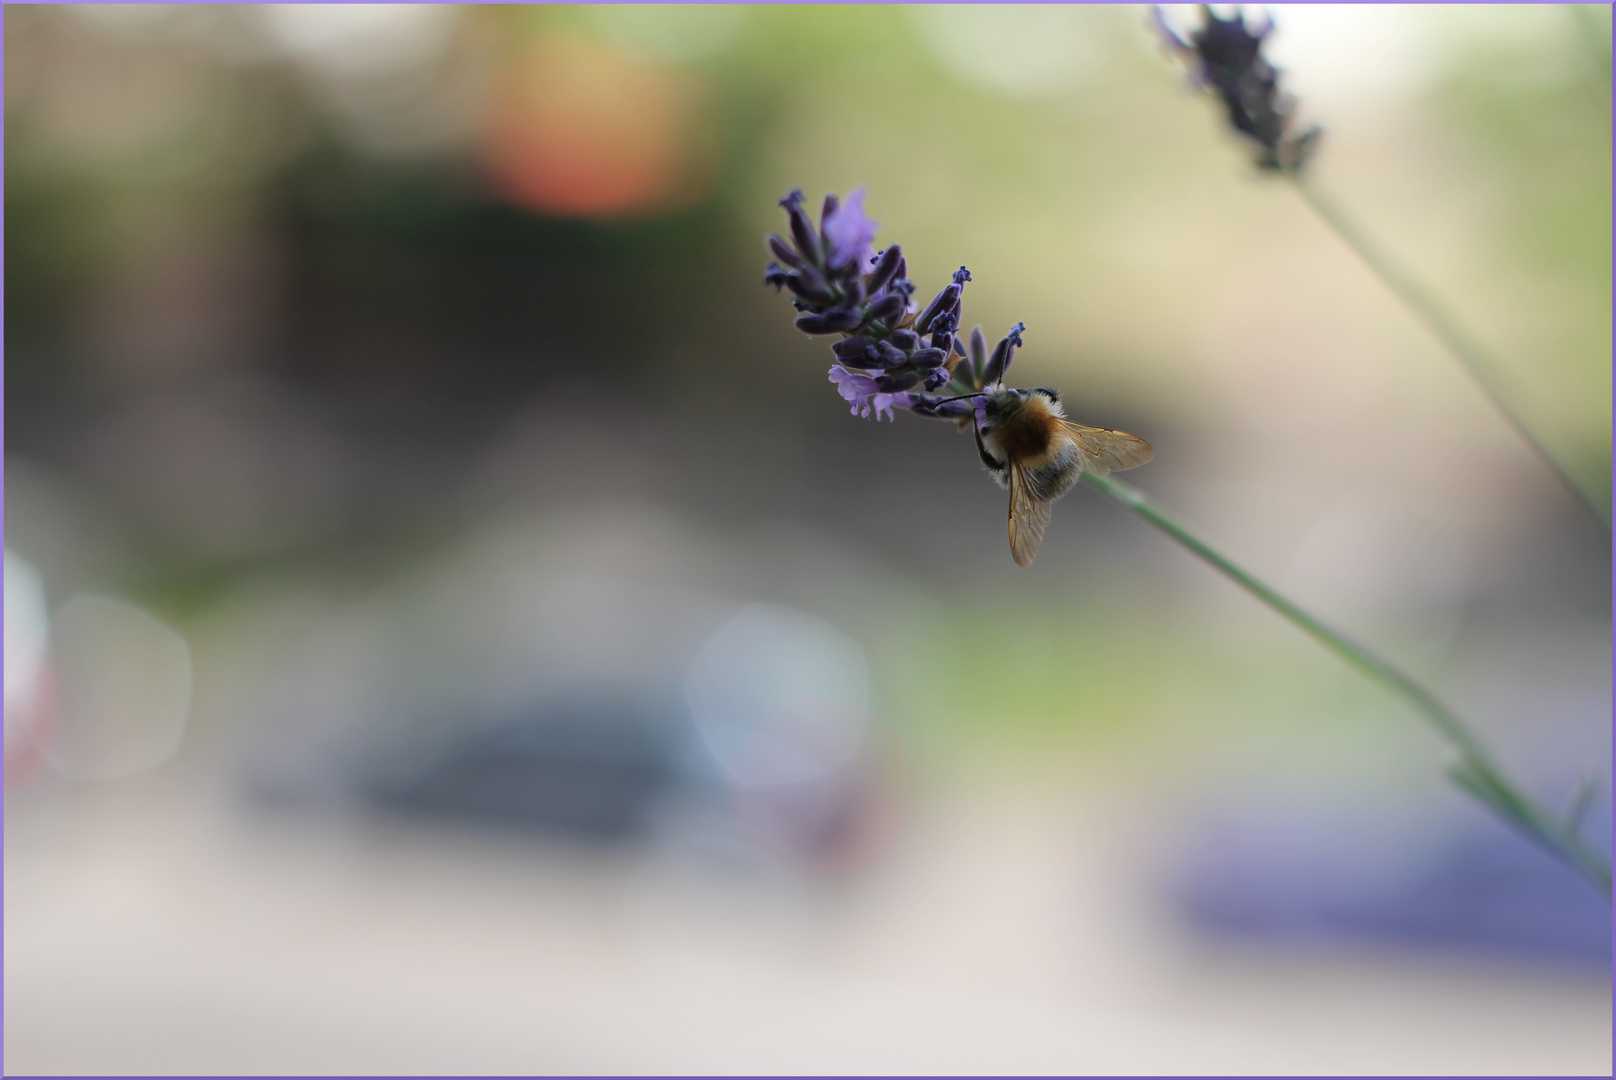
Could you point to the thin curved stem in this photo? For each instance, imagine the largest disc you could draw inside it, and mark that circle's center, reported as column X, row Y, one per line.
column 1475, row 771
column 1483, row 368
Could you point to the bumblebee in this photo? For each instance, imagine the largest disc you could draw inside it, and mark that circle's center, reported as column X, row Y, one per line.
column 1030, row 447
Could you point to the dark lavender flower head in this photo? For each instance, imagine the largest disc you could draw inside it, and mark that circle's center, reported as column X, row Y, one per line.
column 1225, row 58
column 888, row 356
column 848, row 232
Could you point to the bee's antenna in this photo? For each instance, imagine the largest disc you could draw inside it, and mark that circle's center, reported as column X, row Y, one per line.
column 961, row 397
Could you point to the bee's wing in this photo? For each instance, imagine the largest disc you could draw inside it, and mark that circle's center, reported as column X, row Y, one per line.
column 1028, row 516
column 1105, row 450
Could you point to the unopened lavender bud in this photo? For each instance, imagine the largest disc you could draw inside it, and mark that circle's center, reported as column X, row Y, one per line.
column 890, row 355
column 926, row 358
column 888, row 309
column 965, row 372
column 813, row 324
column 776, row 275
column 954, row 344
column 785, row 252
column 940, row 303
column 961, row 276
column 886, row 268
column 902, row 380
column 1003, row 353
column 979, row 349
column 802, row 230
column 867, row 352
column 829, row 208
column 854, row 291
column 941, row 408
column 844, row 318
column 807, row 284
column 858, row 351
column 832, row 321
column 907, row 340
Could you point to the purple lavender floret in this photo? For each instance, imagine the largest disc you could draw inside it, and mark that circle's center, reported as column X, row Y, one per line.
column 848, row 232
column 855, row 389
column 883, row 404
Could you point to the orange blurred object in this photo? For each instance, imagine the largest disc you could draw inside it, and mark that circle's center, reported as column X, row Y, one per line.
column 579, row 129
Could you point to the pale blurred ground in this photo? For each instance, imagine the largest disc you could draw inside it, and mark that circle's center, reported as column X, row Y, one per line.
column 1011, row 934
column 411, row 365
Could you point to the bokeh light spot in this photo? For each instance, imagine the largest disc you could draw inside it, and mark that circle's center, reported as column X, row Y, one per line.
column 1023, row 50
column 779, row 696
column 125, row 685
column 581, row 129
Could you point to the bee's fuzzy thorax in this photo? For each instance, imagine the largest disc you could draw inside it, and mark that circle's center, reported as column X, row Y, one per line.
column 1021, row 424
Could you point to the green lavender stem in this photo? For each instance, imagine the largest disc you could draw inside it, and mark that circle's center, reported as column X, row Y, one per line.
column 1483, row 368
column 1475, row 770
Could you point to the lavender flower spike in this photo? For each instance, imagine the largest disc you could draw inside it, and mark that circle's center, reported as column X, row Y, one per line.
column 848, row 232
column 1225, row 57
column 887, row 356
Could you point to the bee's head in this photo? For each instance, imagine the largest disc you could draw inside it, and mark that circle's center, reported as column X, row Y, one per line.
column 1002, row 400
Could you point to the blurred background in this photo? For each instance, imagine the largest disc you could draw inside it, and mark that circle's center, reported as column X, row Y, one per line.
column 452, row 624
